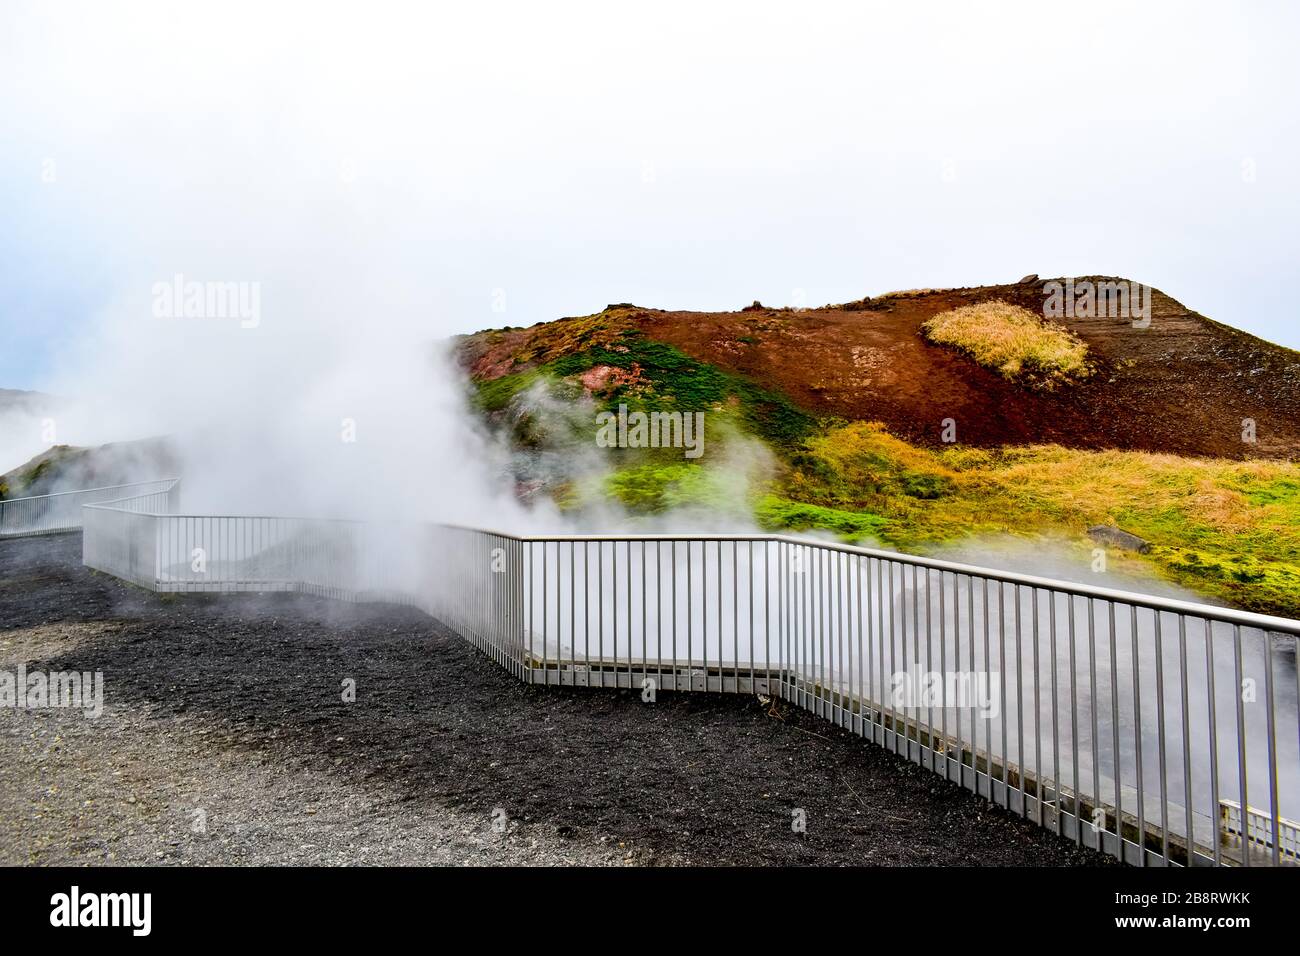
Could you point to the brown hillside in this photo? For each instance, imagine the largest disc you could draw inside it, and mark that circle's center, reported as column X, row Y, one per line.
column 1182, row 385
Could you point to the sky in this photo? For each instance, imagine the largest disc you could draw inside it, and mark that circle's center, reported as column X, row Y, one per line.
column 387, row 173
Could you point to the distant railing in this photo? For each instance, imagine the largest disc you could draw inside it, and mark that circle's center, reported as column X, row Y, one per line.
column 1255, row 829
column 45, row 514
column 1123, row 721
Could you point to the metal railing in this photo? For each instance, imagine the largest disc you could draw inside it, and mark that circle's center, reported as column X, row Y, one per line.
column 1125, row 722
column 46, row 514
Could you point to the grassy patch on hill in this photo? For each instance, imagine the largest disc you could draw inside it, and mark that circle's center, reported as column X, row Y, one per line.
column 1012, row 341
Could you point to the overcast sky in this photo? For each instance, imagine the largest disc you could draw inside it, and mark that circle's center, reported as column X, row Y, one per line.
column 376, row 166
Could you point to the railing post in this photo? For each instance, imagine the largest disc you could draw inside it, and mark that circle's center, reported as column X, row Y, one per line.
column 517, row 626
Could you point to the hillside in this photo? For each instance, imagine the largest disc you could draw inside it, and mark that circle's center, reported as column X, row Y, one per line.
column 1183, row 385
column 834, row 418
column 69, row 468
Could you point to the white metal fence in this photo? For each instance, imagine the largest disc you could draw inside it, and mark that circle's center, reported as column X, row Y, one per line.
column 1129, row 723
column 45, row 514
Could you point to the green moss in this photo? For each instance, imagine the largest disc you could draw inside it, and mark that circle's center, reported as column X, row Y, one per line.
column 1267, row 586
column 781, row 514
column 496, row 394
column 1277, row 491
column 37, row 471
column 659, row 486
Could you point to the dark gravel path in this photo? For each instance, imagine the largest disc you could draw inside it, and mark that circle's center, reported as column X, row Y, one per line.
column 238, row 697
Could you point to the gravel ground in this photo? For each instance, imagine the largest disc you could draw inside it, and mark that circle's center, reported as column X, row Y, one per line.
column 225, row 739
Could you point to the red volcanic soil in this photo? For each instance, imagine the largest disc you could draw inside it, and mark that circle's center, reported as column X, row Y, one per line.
column 1182, row 385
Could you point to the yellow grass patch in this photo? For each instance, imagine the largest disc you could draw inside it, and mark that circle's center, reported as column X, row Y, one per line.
column 1012, row 341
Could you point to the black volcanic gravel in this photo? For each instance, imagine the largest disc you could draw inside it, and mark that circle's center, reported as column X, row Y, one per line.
column 235, row 702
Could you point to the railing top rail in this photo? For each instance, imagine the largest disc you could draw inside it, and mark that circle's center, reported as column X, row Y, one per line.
column 1150, row 601
column 108, row 506
column 87, row 491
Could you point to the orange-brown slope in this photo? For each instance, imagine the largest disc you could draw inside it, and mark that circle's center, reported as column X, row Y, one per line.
column 1182, row 385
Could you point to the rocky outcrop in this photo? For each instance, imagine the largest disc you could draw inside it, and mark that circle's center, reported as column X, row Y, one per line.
column 1117, row 538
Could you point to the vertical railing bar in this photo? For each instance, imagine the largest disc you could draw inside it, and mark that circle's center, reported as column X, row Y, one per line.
column 532, row 610
column 767, row 612
column 849, row 694
column 690, row 616
column 645, row 627
column 883, row 600
column 916, row 649
column 674, row 637
column 630, row 656
column 1074, row 729
column 1187, row 738
column 817, row 582
column 794, row 596
column 812, row 592
column 866, row 679
column 753, row 686
column 735, row 614
column 1093, row 708
column 600, row 609
column 586, row 609
column 974, row 670
column 573, row 614
column 546, row 673
column 1137, row 734
column 1038, row 709
column 837, row 685
column 863, row 640
column 988, row 727
column 929, row 660
column 1160, row 741
column 1056, row 736
column 822, row 597
column 659, row 615
column 893, row 658
column 842, row 676
column 613, row 608
column 786, row 599
column 943, row 670
column 1020, row 705
column 1002, row 663
column 1271, row 731
column 1241, row 745
column 1114, row 726
column 721, row 644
